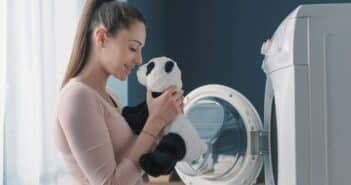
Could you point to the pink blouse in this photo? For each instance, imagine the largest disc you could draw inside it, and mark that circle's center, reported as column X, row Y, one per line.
column 94, row 138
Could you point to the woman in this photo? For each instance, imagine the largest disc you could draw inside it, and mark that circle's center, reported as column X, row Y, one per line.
column 95, row 140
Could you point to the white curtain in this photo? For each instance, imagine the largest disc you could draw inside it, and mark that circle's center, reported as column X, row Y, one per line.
column 36, row 38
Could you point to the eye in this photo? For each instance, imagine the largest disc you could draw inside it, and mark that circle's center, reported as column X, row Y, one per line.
column 133, row 49
column 149, row 68
column 169, row 66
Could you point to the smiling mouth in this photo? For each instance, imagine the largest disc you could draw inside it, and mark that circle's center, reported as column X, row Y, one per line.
column 128, row 69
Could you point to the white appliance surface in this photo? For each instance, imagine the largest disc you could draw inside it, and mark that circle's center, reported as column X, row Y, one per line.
column 304, row 137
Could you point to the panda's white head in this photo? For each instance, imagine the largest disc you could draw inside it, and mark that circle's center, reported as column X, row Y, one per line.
column 160, row 73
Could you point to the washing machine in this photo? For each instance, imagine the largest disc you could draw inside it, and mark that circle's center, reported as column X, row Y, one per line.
column 304, row 137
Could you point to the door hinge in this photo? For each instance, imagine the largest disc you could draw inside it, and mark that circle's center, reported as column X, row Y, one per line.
column 259, row 144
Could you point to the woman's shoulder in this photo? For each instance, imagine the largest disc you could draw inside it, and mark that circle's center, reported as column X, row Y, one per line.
column 77, row 98
column 75, row 92
column 75, row 88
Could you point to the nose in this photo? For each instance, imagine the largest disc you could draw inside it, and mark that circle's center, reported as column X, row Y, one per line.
column 138, row 59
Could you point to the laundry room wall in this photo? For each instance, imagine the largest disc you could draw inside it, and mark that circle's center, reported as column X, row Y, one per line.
column 213, row 41
column 154, row 12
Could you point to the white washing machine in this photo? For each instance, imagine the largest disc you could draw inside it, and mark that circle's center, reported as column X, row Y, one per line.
column 305, row 137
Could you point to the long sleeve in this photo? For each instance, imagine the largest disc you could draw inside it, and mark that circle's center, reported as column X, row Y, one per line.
column 81, row 117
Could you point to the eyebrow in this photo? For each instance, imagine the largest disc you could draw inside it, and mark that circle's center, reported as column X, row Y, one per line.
column 137, row 42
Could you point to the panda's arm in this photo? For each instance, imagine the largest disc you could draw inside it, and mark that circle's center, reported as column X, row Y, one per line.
column 136, row 116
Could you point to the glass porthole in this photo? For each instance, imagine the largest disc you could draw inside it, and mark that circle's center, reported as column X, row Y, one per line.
column 231, row 127
column 222, row 128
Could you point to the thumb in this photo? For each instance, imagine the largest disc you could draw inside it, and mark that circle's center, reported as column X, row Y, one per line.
column 149, row 94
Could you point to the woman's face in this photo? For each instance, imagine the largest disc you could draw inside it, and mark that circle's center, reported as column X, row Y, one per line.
column 123, row 51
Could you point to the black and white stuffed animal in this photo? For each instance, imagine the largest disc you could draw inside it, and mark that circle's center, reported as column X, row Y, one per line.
column 181, row 141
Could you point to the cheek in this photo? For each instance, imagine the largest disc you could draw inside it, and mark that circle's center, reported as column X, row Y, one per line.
column 122, row 55
column 129, row 55
column 116, row 56
column 109, row 61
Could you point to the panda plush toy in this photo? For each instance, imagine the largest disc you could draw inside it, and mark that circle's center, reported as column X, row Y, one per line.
column 180, row 141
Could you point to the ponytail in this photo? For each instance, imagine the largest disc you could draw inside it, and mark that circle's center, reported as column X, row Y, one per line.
column 111, row 14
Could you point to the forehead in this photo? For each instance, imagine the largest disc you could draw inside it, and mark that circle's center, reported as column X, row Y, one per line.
column 135, row 34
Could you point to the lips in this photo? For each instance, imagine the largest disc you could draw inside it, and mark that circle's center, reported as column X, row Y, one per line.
column 127, row 67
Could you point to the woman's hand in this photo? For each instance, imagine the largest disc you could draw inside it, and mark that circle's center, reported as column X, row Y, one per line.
column 182, row 104
column 166, row 107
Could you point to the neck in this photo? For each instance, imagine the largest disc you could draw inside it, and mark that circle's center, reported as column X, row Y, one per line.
column 94, row 75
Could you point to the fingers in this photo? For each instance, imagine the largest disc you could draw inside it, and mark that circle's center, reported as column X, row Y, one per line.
column 180, row 105
column 171, row 90
column 178, row 100
column 177, row 95
column 149, row 94
column 175, row 98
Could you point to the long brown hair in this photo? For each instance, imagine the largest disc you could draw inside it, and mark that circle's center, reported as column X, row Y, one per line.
column 113, row 15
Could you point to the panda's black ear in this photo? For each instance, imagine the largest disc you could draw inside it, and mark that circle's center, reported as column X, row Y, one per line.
column 149, row 68
column 169, row 66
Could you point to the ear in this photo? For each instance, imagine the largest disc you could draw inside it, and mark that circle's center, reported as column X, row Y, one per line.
column 100, row 36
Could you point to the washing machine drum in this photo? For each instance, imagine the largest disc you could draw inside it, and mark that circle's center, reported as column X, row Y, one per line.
column 228, row 123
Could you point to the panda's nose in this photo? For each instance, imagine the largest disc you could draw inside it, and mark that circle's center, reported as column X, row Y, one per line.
column 169, row 66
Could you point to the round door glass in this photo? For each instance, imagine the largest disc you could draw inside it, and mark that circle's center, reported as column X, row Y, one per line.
column 220, row 125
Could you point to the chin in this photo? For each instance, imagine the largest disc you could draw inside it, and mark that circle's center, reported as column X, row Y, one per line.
column 121, row 77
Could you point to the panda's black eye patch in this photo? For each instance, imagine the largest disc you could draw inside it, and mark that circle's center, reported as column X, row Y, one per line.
column 169, row 66
column 149, row 68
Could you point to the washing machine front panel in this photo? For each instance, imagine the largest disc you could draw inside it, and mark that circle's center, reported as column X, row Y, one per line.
column 232, row 129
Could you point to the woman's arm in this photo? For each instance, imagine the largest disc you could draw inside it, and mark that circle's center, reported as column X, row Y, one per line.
column 82, row 119
column 146, row 140
column 162, row 110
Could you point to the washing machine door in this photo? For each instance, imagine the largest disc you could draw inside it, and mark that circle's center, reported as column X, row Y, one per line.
column 233, row 131
column 270, row 127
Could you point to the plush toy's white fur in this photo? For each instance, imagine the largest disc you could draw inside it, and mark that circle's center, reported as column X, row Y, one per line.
column 158, row 80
